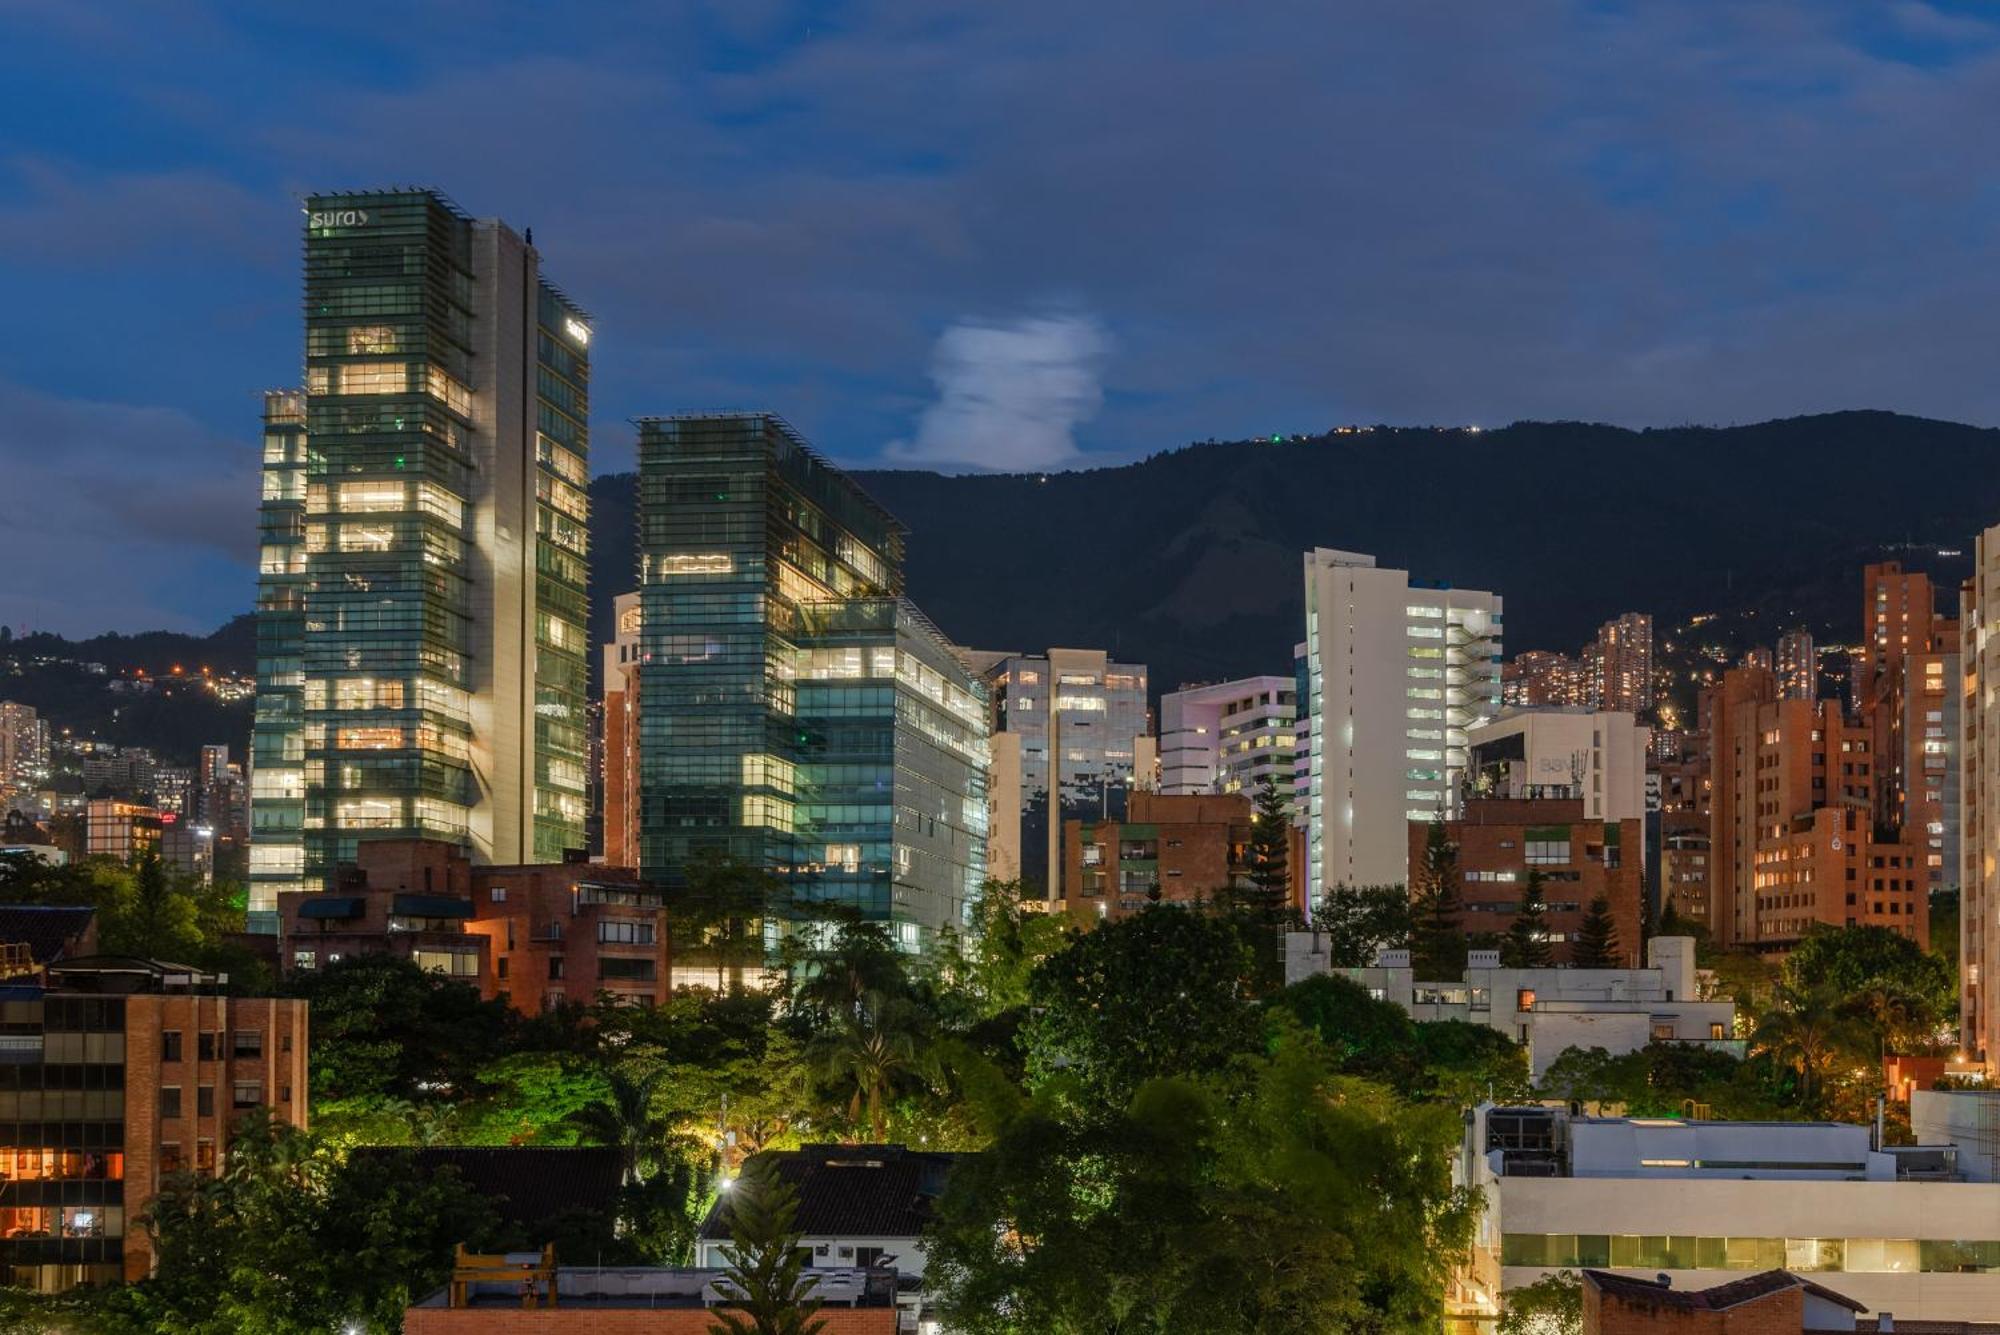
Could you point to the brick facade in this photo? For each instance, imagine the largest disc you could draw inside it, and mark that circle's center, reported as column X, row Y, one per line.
column 1190, row 847
column 1501, row 840
column 599, row 1320
column 246, row 1052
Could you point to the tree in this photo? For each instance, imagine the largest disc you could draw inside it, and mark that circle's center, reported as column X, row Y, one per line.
column 765, row 1280
column 1848, row 960
column 288, row 1239
column 986, row 971
column 1437, row 940
column 1268, row 900
column 1292, row 1201
column 1526, row 945
column 1154, row 994
column 1596, row 944
column 1360, row 920
column 876, row 1045
column 1552, row 1305
column 1808, row 1032
column 721, row 911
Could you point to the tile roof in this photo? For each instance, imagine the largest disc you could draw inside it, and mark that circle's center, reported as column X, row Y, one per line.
column 1716, row 1299
column 855, row 1191
column 47, row 929
column 528, row 1185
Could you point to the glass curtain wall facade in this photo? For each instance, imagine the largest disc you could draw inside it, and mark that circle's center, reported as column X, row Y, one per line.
column 794, row 714
column 62, row 1140
column 893, row 759
column 1097, row 710
column 277, row 740
column 438, row 580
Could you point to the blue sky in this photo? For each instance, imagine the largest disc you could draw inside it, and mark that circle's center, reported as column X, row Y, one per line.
column 964, row 235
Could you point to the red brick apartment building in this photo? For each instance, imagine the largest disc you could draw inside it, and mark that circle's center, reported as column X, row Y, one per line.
column 1501, row 840
column 538, row 936
column 119, row 1072
column 1185, row 848
column 1797, row 832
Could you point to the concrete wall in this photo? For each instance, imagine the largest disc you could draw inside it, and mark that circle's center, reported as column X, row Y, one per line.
column 1724, row 1207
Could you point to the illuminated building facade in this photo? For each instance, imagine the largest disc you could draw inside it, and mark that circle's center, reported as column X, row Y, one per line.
column 1979, row 805
column 422, row 607
column 1622, row 663
column 1793, row 836
column 1082, row 717
column 1398, row 673
column 1798, row 665
column 120, row 1073
column 620, row 749
column 796, row 714
column 1228, row 737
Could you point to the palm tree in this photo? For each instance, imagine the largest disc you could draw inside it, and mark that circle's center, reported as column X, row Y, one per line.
column 877, row 1045
column 1807, row 1030
column 1897, row 1018
column 626, row 1120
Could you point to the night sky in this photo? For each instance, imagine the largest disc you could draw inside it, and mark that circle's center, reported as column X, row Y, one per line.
column 992, row 234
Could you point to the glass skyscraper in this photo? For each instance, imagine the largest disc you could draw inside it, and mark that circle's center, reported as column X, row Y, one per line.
column 796, row 713
column 422, row 607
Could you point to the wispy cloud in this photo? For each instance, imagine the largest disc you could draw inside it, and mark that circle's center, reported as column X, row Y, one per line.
column 1010, row 394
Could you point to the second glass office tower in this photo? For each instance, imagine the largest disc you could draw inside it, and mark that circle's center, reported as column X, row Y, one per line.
column 795, row 713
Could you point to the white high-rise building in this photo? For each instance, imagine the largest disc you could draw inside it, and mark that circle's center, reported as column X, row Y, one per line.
column 1228, row 737
column 1397, row 672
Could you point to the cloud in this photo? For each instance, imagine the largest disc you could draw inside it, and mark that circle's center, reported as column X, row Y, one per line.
column 110, row 509
column 1010, row 394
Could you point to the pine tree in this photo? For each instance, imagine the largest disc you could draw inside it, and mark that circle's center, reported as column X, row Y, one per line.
column 1437, row 941
column 1597, row 939
column 1526, row 945
column 1270, row 853
column 770, row 1293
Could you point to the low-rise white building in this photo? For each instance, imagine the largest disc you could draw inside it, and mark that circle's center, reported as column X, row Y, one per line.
column 1704, row 1202
column 1598, row 755
column 1548, row 1011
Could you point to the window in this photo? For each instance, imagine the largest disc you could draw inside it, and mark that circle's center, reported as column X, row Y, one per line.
column 1663, row 1033
column 247, row 1043
column 204, row 1156
column 170, row 1100
column 555, row 966
column 620, row 932
column 204, row 1101
column 454, row 963
column 1715, row 1031
column 206, row 1046
column 305, row 959
column 1524, row 999
column 634, row 970
column 170, row 1045
column 170, row 1156
column 246, row 1094
column 498, row 894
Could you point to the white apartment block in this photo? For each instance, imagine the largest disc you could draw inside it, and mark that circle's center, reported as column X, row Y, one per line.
column 1555, row 751
column 1900, row 1229
column 1398, row 673
column 1547, row 1011
column 1228, row 737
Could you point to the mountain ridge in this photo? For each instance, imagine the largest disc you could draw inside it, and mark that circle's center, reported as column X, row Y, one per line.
column 1189, row 560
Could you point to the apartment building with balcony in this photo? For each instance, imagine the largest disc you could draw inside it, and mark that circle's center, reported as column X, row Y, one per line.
column 119, row 1072
column 1397, row 672
column 536, row 936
